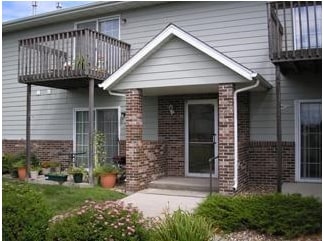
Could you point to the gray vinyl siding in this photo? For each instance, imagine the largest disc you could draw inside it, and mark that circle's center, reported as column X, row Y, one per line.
column 177, row 63
column 293, row 87
column 237, row 29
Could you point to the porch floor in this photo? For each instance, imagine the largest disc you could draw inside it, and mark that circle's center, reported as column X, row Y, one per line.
column 184, row 183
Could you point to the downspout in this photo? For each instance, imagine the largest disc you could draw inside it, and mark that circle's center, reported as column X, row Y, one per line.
column 236, row 131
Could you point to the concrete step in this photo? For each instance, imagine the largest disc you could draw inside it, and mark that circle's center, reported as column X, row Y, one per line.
column 184, row 183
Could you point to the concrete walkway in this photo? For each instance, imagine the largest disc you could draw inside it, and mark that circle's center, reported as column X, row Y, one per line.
column 154, row 202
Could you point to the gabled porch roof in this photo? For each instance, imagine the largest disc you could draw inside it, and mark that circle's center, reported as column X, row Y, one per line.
column 174, row 31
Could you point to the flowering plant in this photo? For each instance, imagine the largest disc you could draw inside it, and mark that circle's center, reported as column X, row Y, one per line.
column 48, row 164
column 112, row 221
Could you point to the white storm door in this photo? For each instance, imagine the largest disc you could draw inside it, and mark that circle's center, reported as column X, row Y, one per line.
column 201, row 137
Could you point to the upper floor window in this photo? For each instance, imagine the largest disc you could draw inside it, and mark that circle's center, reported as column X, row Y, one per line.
column 108, row 26
column 307, row 26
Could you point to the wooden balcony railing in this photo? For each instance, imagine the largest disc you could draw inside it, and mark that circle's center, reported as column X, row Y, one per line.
column 295, row 31
column 76, row 54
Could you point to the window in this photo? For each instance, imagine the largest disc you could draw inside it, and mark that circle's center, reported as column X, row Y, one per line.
column 308, row 140
column 304, row 29
column 109, row 26
column 81, row 137
column 106, row 121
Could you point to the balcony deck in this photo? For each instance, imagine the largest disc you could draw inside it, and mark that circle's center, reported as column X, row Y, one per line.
column 70, row 59
column 295, row 36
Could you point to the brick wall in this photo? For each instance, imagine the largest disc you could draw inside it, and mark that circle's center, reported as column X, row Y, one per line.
column 136, row 168
column 263, row 163
column 45, row 150
column 154, row 152
column 243, row 140
column 226, row 138
column 172, row 130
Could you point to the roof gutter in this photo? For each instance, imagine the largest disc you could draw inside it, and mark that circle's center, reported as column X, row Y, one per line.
column 67, row 11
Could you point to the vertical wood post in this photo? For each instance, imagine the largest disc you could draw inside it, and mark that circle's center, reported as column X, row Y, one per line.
column 91, row 108
column 279, row 137
column 28, row 111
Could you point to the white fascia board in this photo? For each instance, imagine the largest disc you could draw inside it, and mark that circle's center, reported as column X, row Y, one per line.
column 164, row 36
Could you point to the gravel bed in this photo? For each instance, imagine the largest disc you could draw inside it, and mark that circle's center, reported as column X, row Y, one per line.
column 250, row 235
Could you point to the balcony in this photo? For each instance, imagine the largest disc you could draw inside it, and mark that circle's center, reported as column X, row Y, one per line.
column 70, row 59
column 295, row 34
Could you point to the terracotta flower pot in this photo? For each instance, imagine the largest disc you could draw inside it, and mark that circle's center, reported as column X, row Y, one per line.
column 108, row 180
column 22, row 173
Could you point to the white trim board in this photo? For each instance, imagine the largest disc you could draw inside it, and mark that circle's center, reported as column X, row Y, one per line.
column 214, row 102
column 298, row 177
column 164, row 36
column 118, row 108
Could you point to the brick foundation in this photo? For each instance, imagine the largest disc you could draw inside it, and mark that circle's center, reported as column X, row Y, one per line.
column 154, row 152
column 45, row 150
column 226, row 138
column 263, row 163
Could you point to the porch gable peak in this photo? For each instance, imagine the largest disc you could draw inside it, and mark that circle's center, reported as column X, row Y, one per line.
column 164, row 36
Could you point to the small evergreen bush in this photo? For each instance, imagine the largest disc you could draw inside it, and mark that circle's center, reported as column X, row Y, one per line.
column 181, row 226
column 25, row 215
column 97, row 222
column 275, row 214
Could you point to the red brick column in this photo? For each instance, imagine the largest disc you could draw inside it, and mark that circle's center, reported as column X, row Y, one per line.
column 226, row 138
column 135, row 171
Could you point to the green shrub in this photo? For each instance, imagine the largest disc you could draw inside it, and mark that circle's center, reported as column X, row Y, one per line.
column 7, row 160
column 98, row 221
column 290, row 215
column 34, row 161
column 25, row 215
column 182, row 226
column 275, row 214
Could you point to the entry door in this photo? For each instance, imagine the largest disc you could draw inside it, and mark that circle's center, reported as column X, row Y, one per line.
column 201, row 137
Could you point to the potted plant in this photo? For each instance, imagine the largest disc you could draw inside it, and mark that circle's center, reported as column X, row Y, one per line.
column 22, row 170
column 45, row 167
column 55, row 166
column 77, row 173
column 108, row 174
column 34, row 171
column 59, row 177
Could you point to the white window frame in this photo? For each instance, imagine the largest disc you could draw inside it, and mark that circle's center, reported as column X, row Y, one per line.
column 298, row 177
column 75, row 110
column 97, row 20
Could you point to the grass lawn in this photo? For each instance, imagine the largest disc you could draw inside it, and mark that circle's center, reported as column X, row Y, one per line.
column 61, row 198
